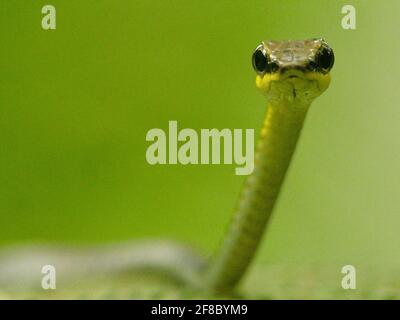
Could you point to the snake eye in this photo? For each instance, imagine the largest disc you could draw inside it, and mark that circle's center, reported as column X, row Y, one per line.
column 325, row 59
column 261, row 63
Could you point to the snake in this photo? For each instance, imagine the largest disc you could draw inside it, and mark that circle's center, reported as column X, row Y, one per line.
column 290, row 74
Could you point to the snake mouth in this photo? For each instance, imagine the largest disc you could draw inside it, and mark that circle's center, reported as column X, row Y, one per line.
column 294, row 73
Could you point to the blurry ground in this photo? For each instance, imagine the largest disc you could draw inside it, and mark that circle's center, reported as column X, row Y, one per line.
column 268, row 282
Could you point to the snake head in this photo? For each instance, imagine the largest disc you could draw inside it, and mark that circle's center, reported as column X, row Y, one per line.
column 294, row 70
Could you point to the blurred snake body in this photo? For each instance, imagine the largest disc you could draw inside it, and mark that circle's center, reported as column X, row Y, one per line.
column 291, row 74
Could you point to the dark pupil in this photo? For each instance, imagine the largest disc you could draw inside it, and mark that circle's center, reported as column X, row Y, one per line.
column 325, row 59
column 259, row 61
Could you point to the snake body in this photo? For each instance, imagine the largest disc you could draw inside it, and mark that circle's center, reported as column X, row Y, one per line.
column 291, row 74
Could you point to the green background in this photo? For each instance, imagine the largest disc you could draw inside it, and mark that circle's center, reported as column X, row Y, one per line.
column 76, row 104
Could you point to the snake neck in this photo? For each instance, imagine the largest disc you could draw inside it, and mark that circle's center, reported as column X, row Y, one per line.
column 277, row 142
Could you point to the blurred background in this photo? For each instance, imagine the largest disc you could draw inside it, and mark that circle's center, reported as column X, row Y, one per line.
column 76, row 104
